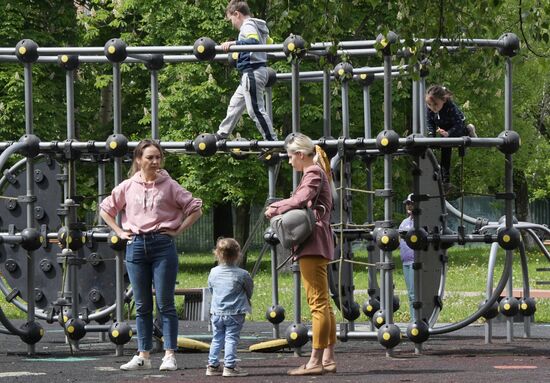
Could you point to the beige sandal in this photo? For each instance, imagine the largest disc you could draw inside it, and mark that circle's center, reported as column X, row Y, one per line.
column 302, row 370
column 330, row 367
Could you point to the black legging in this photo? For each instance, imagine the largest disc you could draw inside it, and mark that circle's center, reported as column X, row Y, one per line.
column 446, row 164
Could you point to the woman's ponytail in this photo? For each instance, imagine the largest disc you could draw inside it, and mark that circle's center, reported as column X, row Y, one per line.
column 322, row 160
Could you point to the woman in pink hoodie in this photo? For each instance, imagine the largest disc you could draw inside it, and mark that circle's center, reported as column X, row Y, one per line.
column 154, row 209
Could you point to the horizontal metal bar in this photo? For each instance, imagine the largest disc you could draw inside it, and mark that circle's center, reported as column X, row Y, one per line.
column 350, row 143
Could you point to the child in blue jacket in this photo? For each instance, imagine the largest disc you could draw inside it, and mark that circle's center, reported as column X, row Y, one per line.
column 231, row 289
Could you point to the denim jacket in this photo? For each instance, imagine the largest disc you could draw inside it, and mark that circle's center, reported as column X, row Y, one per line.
column 231, row 289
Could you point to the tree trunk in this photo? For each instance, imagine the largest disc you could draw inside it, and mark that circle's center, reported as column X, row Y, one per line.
column 106, row 107
column 242, row 225
column 223, row 221
column 522, row 204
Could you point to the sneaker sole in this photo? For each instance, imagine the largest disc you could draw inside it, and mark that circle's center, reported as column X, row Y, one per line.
column 168, row 369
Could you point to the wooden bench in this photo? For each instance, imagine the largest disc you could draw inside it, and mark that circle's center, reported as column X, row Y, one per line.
column 196, row 303
column 533, row 293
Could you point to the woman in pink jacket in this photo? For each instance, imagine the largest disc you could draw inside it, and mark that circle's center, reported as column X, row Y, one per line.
column 155, row 209
column 317, row 251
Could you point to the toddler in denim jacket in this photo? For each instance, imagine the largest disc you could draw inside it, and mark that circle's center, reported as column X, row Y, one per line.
column 231, row 289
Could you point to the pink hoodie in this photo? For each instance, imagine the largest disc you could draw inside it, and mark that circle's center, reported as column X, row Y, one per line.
column 145, row 208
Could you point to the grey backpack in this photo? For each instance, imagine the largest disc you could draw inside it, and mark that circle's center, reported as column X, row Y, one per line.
column 295, row 226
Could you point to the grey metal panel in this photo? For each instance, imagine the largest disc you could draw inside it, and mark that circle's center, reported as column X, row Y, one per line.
column 96, row 281
column 433, row 212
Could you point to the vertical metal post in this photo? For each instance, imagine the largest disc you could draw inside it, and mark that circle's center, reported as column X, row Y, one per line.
column 345, row 108
column 30, row 204
column 69, row 90
column 526, row 289
column 367, row 112
column 346, row 194
column 388, row 203
column 296, row 129
column 508, row 181
column 372, row 281
column 70, row 172
column 272, row 179
column 272, row 171
column 415, row 103
column 154, row 105
column 417, row 273
column 326, row 103
column 117, row 129
column 100, row 186
column 295, row 85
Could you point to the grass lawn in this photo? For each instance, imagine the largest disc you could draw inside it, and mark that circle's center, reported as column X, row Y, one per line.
column 467, row 272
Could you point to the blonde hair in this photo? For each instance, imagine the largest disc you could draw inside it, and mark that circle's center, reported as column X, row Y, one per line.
column 227, row 251
column 300, row 143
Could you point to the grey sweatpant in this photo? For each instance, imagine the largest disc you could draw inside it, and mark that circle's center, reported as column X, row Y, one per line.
column 249, row 95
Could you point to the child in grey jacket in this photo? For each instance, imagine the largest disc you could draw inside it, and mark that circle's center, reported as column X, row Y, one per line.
column 231, row 289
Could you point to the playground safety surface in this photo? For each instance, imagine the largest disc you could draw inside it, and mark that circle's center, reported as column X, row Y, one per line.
column 461, row 356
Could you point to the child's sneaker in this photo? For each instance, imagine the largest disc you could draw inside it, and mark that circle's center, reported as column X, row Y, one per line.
column 221, row 136
column 214, row 370
column 229, row 372
column 471, row 130
column 137, row 363
column 169, row 363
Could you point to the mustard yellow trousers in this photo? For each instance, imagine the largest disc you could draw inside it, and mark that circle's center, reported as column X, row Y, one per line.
column 315, row 280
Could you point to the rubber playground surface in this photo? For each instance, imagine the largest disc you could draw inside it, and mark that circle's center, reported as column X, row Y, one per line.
column 461, row 356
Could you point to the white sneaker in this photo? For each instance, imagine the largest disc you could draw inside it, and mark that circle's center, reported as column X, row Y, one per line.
column 169, row 363
column 229, row 372
column 137, row 363
column 214, row 371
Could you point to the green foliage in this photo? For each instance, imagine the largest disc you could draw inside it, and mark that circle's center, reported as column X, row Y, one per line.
column 194, row 97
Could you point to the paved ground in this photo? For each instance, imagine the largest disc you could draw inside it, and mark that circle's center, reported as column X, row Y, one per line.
column 459, row 357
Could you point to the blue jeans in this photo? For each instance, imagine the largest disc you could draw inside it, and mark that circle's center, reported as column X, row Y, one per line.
column 226, row 331
column 152, row 259
column 408, row 273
